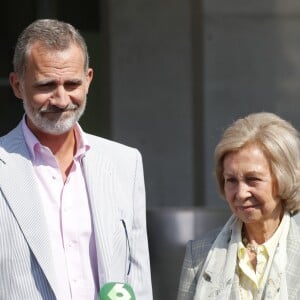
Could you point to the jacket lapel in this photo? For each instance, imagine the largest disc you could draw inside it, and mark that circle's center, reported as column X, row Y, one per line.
column 17, row 185
column 293, row 265
column 218, row 280
column 99, row 176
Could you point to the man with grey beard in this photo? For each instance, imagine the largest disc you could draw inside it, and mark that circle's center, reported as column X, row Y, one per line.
column 72, row 205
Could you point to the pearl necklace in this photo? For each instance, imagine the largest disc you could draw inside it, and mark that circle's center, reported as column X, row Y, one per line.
column 252, row 248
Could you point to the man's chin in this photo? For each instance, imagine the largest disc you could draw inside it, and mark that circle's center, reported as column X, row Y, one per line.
column 57, row 130
column 54, row 127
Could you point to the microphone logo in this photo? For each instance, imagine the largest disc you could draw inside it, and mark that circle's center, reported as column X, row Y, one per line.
column 116, row 291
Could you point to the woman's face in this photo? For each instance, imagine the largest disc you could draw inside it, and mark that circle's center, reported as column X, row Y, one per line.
column 250, row 189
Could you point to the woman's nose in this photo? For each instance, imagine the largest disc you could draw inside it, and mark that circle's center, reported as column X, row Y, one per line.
column 242, row 191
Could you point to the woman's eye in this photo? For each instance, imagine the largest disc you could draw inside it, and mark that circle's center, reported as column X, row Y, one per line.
column 252, row 179
column 230, row 180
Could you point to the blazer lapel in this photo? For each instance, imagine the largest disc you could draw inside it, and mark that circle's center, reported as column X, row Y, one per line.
column 99, row 175
column 218, row 280
column 17, row 183
column 293, row 265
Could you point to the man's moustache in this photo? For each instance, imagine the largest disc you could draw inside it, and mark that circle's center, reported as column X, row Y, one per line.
column 55, row 109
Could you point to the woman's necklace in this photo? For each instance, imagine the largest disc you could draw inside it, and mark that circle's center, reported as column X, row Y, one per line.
column 249, row 246
column 252, row 248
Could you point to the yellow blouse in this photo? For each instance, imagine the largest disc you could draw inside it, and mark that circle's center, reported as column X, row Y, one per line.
column 251, row 281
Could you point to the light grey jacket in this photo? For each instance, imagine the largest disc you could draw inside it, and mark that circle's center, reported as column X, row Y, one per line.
column 217, row 279
column 115, row 183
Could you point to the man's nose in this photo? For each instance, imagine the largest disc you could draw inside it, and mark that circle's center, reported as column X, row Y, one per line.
column 60, row 97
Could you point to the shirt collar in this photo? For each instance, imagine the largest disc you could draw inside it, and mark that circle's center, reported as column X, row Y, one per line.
column 271, row 244
column 33, row 143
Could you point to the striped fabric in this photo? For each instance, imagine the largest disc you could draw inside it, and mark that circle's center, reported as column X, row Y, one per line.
column 115, row 183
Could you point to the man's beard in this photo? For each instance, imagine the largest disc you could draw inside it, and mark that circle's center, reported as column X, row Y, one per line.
column 60, row 123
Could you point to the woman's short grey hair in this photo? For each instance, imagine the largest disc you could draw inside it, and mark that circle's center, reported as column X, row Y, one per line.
column 53, row 35
column 279, row 141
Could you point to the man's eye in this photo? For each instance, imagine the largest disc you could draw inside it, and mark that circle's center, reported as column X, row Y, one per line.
column 45, row 86
column 71, row 86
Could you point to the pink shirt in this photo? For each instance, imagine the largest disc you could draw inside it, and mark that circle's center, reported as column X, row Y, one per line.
column 69, row 220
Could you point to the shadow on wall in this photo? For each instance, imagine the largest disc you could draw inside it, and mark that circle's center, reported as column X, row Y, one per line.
column 169, row 229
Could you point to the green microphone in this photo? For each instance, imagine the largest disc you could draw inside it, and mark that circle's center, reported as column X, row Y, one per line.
column 116, row 291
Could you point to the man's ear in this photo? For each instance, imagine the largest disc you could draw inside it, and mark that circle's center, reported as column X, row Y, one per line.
column 15, row 83
column 89, row 78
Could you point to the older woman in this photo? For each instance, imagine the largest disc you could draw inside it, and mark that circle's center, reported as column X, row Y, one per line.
column 256, row 255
